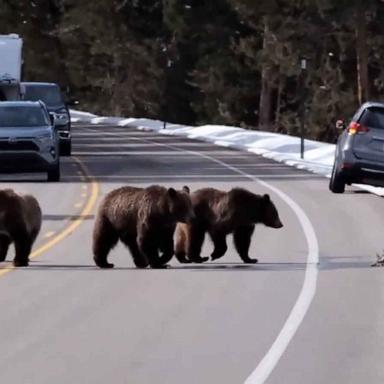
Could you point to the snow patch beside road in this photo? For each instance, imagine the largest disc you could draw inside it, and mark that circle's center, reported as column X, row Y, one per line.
column 318, row 156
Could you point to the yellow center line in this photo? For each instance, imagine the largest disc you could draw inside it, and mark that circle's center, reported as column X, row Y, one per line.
column 49, row 234
column 87, row 210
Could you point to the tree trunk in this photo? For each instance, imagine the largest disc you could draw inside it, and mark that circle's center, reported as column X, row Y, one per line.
column 278, row 104
column 361, row 54
column 266, row 92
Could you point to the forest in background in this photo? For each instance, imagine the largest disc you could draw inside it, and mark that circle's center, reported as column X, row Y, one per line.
column 231, row 62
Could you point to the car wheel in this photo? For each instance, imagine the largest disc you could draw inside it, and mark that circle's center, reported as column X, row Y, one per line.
column 337, row 182
column 66, row 148
column 54, row 174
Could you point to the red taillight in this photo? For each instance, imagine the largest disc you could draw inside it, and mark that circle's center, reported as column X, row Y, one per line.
column 355, row 128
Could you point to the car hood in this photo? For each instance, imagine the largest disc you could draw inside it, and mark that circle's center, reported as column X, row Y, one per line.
column 6, row 132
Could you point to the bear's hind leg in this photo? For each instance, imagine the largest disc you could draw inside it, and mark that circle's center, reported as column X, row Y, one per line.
column 5, row 241
column 104, row 239
column 242, row 239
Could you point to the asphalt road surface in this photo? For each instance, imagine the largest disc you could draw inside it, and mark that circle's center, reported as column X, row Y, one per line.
column 285, row 320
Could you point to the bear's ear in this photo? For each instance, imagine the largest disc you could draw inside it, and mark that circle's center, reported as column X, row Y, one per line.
column 172, row 192
column 266, row 198
column 186, row 189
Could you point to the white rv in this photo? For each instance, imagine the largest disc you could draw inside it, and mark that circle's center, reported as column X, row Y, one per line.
column 10, row 67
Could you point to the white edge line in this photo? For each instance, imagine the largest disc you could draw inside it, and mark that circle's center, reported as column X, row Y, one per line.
column 308, row 289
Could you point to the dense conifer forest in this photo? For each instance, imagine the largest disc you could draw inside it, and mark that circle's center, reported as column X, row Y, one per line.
column 232, row 62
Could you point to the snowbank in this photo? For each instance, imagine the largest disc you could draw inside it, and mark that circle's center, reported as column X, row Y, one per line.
column 318, row 157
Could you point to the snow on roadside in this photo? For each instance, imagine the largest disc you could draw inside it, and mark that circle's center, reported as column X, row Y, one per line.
column 79, row 116
column 318, row 156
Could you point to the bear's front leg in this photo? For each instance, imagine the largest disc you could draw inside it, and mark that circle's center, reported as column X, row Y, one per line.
column 22, row 250
column 195, row 239
column 149, row 245
column 167, row 245
column 139, row 258
column 220, row 244
column 242, row 239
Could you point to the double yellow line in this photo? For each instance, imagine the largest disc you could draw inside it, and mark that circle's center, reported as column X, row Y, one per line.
column 87, row 210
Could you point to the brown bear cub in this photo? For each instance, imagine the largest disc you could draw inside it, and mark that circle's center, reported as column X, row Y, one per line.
column 220, row 213
column 20, row 223
column 144, row 219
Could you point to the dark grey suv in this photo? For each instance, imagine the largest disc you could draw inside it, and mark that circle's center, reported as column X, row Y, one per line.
column 28, row 140
column 359, row 156
column 51, row 95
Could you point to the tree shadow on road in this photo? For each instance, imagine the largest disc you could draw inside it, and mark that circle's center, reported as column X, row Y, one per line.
column 346, row 262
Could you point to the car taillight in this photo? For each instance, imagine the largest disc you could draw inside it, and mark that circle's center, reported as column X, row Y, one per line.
column 355, row 128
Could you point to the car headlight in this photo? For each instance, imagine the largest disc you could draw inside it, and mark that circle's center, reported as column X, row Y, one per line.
column 62, row 118
column 45, row 139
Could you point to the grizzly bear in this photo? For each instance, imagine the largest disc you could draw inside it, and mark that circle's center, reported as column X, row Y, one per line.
column 144, row 219
column 20, row 223
column 220, row 213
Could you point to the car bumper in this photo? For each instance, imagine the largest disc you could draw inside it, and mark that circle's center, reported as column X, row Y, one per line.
column 363, row 172
column 25, row 162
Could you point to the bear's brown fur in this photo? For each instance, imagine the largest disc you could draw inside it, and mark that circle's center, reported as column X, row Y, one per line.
column 220, row 213
column 20, row 223
column 144, row 219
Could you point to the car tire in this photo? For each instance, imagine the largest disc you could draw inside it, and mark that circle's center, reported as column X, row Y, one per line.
column 54, row 174
column 66, row 148
column 337, row 182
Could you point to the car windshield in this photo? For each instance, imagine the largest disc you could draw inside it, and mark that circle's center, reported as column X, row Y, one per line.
column 373, row 117
column 22, row 117
column 51, row 96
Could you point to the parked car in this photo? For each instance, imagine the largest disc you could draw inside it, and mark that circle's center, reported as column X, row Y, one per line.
column 359, row 156
column 51, row 95
column 28, row 139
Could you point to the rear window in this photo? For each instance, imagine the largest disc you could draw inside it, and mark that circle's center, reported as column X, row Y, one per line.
column 373, row 117
column 50, row 95
column 22, row 117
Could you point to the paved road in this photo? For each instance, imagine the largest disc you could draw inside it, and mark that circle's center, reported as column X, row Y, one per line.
column 65, row 321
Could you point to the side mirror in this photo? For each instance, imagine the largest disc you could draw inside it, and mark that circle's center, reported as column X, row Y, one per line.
column 52, row 117
column 340, row 124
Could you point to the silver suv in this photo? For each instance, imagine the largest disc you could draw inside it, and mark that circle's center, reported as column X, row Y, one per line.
column 51, row 95
column 28, row 140
column 359, row 156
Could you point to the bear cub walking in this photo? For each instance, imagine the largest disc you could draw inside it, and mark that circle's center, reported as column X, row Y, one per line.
column 20, row 223
column 144, row 219
column 220, row 213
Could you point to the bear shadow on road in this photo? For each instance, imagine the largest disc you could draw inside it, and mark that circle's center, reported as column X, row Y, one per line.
column 207, row 267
